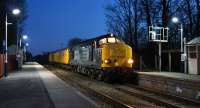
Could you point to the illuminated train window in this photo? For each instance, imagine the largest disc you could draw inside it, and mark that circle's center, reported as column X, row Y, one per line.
column 109, row 40
column 102, row 41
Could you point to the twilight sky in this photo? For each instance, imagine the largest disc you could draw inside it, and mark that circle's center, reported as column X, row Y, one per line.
column 51, row 23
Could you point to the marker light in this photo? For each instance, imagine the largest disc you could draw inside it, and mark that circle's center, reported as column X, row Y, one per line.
column 130, row 61
column 106, row 61
column 111, row 34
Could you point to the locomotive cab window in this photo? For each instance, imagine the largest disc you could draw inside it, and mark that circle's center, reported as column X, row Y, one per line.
column 109, row 40
column 103, row 41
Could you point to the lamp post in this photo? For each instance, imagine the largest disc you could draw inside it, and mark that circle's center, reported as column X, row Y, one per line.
column 24, row 38
column 15, row 12
column 25, row 49
column 183, row 52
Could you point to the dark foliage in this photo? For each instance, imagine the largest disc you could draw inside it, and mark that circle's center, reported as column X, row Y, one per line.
column 6, row 7
column 130, row 20
column 42, row 59
column 74, row 41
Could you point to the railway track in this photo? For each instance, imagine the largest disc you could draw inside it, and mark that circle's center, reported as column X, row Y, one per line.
column 159, row 99
column 132, row 90
column 173, row 97
column 100, row 91
column 115, row 103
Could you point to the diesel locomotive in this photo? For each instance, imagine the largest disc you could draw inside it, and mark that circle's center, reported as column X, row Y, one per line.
column 104, row 57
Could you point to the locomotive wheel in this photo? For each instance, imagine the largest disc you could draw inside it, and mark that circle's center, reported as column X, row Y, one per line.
column 91, row 74
column 76, row 69
column 100, row 76
column 108, row 76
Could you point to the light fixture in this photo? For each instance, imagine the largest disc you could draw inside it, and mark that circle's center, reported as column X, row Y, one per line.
column 16, row 11
column 130, row 61
column 106, row 61
column 175, row 19
column 27, row 44
column 25, row 37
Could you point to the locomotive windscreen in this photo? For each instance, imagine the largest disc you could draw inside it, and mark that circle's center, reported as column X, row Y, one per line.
column 117, row 52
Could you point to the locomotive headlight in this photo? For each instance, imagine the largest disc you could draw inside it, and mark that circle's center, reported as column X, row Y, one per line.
column 106, row 61
column 130, row 61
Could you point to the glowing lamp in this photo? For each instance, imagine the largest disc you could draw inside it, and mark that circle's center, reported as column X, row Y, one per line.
column 130, row 61
column 16, row 11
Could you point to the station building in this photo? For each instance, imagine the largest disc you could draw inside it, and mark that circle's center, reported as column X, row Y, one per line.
column 193, row 49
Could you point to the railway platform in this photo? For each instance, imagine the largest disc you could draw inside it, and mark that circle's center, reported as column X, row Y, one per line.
column 175, row 75
column 182, row 85
column 36, row 87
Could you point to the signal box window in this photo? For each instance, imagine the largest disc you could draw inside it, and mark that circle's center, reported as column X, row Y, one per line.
column 192, row 52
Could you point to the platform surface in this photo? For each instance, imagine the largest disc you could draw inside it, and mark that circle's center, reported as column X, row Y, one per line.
column 180, row 76
column 36, row 87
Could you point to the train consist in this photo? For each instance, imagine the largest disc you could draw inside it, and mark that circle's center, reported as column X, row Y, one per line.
column 105, row 57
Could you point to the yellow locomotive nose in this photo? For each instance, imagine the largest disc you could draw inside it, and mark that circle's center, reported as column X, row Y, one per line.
column 116, row 55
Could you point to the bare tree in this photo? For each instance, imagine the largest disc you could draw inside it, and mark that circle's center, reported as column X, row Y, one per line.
column 189, row 14
column 5, row 7
column 146, row 5
column 197, row 28
column 165, row 12
column 123, row 19
column 74, row 41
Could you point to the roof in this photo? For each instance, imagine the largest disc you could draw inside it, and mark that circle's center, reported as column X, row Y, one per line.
column 58, row 50
column 194, row 41
column 89, row 41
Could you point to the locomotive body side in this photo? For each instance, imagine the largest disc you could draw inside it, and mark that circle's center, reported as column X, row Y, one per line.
column 61, row 56
column 86, row 56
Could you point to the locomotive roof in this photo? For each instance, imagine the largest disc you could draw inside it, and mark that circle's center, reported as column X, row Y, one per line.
column 89, row 41
column 58, row 50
